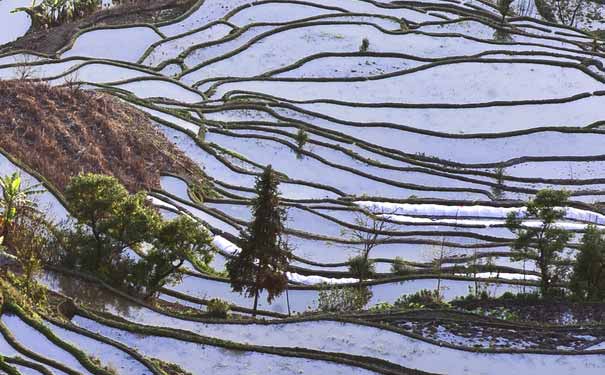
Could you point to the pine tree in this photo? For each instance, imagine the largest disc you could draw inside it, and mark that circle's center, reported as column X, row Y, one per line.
column 301, row 139
column 264, row 258
column 545, row 242
column 504, row 7
column 588, row 278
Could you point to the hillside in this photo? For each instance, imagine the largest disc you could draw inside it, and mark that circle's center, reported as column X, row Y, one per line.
column 439, row 164
column 60, row 132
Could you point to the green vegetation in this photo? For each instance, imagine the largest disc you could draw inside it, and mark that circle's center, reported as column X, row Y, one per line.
column 343, row 299
column 217, row 308
column 504, row 7
column 24, row 232
column 302, row 137
column 48, row 13
column 29, row 246
column 112, row 223
column 361, row 267
column 365, row 45
column 264, row 258
column 401, row 267
column 542, row 244
column 422, row 299
column 588, row 278
column 16, row 204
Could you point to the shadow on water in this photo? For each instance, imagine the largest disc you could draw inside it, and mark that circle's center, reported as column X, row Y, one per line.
column 502, row 36
column 87, row 293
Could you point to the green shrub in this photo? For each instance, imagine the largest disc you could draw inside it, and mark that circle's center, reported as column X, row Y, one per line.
column 507, row 295
column 522, row 297
column 382, row 306
column 361, row 267
column 421, row 299
column 502, row 313
column 473, row 295
column 401, row 267
column 365, row 45
column 341, row 299
column 56, row 12
column 217, row 308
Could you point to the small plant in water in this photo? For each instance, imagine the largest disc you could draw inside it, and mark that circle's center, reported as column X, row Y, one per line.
column 302, row 137
column 365, row 45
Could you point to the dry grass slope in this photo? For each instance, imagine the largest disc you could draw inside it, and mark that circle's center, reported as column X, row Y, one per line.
column 61, row 132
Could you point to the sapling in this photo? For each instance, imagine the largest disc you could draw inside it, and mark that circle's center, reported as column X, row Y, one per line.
column 302, row 137
column 365, row 45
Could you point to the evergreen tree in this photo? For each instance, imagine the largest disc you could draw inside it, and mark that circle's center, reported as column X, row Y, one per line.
column 301, row 139
column 264, row 258
column 545, row 242
column 588, row 278
column 504, row 7
column 176, row 241
column 116, row 219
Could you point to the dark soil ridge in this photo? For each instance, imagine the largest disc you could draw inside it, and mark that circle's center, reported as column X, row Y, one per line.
column 63, row 131
column 50, row 41
column 550, row 312
column 497, row 334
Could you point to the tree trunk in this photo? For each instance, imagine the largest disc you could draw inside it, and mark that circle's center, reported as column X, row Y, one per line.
column 545, row 281
column 439, row 283
column 98, row 246
column 288, row 300
column 157, row 281
column 255, row 303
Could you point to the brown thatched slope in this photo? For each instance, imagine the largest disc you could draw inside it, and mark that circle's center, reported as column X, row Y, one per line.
column 60, row 132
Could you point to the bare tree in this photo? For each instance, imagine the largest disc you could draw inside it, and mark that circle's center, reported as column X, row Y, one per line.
column 477, row 263
column 72, row 82
column 370, row 229
column 438, row 255
column 568, row 11
column 24, row 70
column 525, row 8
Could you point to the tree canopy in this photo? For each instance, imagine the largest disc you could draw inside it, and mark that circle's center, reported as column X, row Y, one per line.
column 123, row 239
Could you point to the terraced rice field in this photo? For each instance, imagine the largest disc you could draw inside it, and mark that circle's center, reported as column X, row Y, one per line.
column 441, row 126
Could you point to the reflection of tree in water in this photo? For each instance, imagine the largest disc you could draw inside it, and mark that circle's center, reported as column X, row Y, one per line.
column 502, row 35
column 91, row 295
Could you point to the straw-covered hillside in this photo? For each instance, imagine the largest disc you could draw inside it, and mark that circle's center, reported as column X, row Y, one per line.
column 62, row 131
